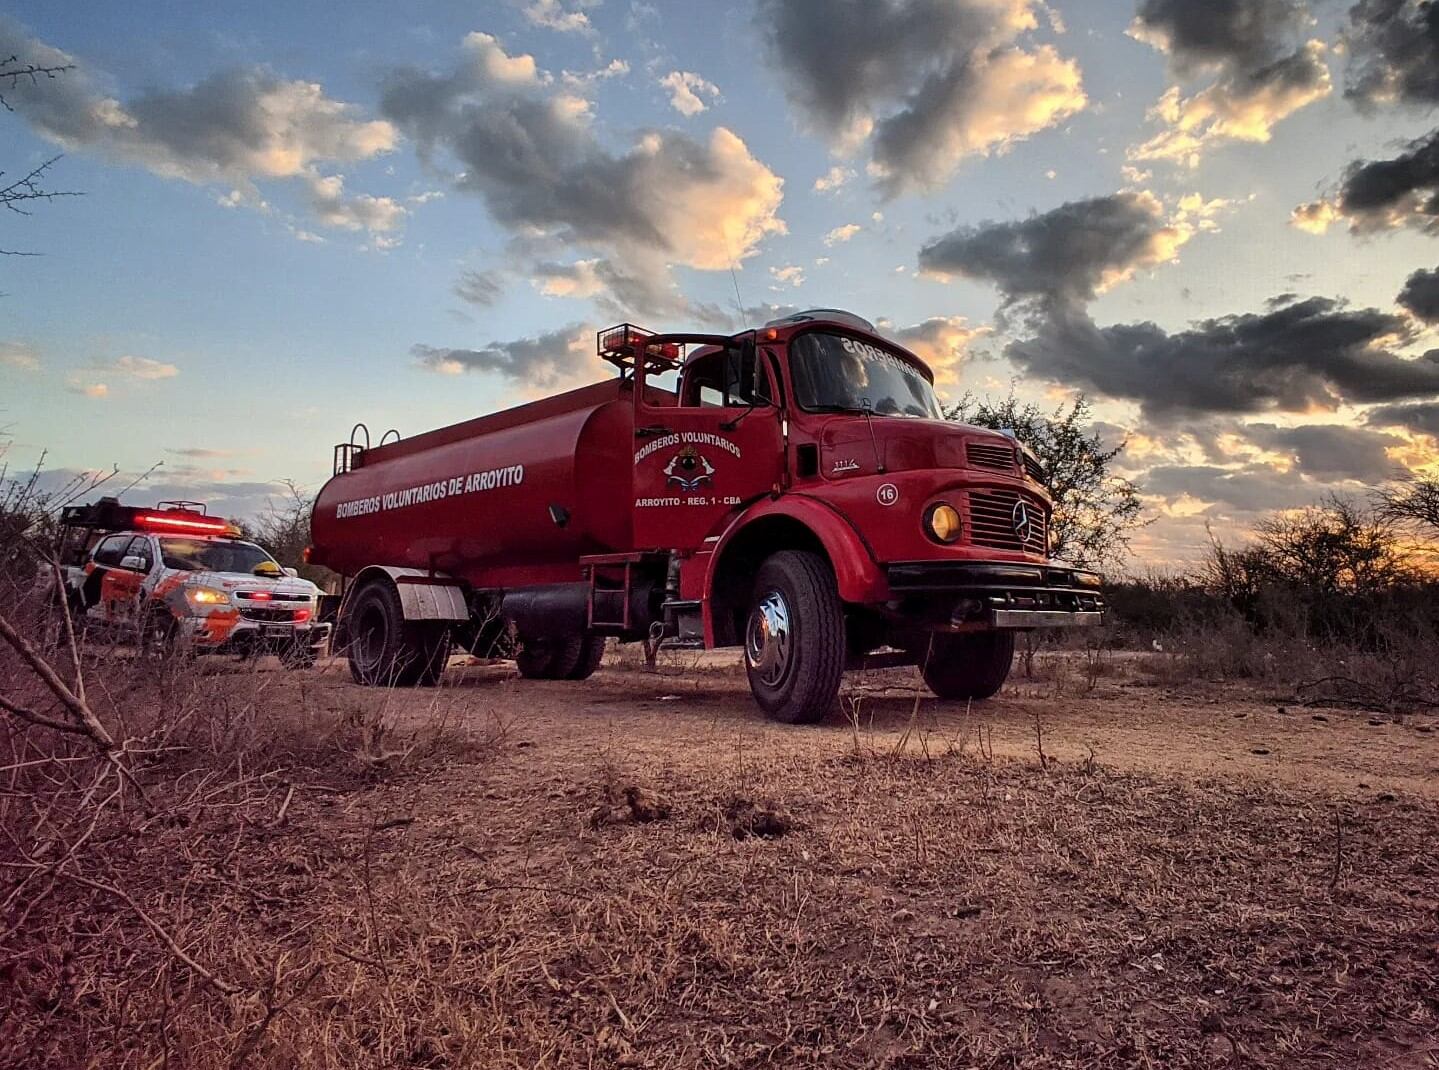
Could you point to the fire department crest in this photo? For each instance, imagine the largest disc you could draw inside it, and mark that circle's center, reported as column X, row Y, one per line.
column 689, row 470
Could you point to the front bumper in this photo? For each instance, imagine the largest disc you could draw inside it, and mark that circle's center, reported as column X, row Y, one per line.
column 995, row 594
column 248, row 635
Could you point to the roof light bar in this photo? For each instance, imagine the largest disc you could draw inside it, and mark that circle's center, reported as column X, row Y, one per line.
column 180, row 523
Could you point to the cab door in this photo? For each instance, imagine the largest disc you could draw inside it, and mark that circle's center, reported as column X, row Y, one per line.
column 719, row 449
column 121, row 588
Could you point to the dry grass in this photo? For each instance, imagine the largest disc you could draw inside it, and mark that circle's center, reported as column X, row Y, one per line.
column 843, row 906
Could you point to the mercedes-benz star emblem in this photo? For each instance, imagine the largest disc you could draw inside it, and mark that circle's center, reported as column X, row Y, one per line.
column 1022, row 521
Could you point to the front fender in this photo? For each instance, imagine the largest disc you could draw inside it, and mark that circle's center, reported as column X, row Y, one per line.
column 859, row 577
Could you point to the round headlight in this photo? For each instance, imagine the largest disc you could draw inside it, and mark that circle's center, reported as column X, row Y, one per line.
column 942, row 520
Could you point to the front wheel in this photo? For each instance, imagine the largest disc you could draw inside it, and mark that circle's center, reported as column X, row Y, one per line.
column 794, row 642
column 966, row 666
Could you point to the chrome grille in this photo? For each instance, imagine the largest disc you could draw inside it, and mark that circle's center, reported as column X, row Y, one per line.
column 991, row 521
column 990, row 455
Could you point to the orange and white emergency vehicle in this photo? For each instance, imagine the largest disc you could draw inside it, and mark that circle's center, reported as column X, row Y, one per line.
column 175, row 577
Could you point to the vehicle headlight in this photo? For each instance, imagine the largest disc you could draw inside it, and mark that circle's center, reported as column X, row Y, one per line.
column 941, row 520
column 207, row 596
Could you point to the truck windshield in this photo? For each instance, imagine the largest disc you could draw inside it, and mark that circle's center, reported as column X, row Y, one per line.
column 212, row 555
column 837, row 373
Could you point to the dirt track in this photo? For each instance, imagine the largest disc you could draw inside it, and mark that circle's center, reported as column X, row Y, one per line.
column 696, row 711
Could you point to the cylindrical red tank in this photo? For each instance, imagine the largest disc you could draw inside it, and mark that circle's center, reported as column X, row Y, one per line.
column 508, row 499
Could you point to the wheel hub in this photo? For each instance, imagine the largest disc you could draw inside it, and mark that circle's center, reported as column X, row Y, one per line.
column 767, row 639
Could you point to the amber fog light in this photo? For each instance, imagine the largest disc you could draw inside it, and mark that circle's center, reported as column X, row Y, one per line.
column 942, row 522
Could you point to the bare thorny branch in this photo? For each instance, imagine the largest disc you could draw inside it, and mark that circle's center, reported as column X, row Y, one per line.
column 13, row 72
column 18, row 193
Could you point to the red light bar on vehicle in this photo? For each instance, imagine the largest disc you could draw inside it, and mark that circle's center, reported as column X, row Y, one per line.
column 170, row 522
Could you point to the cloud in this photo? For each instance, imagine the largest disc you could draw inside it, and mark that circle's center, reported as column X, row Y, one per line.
column 546, row 360
column 1261, row 73
column 361, row 212
column 842, row 234
column 1315, row 217
column 86, row 386
column 530, row 153
column 975, row 108
column 19, row 355
column 481, row 288
column 1307, row 355
column 554, row 16
column 1217, row 34
column 1329, row 452
column 942, row 342
column 200, row 453
column 1420, row 416
column 1065, row 256
column 933, row 81
column 143, row 368
column 1380, row 195
column 833, row 179
column 1251, row 489
column 235, row 127
column 1420, row 295
column 1298, row 355
column 1393, row 52
column 790, row 274
column 687, row 90
column 615, row 68
column 580, row 279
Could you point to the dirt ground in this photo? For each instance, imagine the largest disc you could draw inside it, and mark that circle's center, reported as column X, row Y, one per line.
column 639, row 870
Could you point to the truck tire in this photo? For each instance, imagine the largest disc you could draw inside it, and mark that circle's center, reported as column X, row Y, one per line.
column 534, row 659
column 972, row 666
column 592, row 652
column 573, row 657
column 386, row 650
column 794, row 640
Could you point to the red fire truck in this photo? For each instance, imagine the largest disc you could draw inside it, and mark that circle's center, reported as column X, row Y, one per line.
column 797, row 494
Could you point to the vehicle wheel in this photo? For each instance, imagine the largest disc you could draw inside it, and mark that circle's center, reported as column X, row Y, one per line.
column 386, row 650
column 972, row 666
column 592, row 652
column 794, row 638
column 159, row 635
column 534, row 659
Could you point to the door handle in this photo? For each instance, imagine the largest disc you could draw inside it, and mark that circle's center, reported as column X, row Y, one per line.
column 651, row 431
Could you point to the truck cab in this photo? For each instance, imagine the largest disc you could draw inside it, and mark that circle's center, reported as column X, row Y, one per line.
column 834, row 441
column 174, row 577
column 796, row 493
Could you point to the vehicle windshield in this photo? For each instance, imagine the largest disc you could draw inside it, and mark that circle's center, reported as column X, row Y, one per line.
column 835, row 372
column 213, row 555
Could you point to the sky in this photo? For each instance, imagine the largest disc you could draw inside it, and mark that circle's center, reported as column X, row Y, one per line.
column 1216, row 219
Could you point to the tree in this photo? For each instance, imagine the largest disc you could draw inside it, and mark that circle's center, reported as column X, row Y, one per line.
column 1094, row 510
column 16, row 195
column 1413, row 502
column 1335, row 547
column 284, row 530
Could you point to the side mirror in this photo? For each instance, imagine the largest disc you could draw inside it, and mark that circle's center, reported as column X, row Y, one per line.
column 133, row 563
column 292, row 572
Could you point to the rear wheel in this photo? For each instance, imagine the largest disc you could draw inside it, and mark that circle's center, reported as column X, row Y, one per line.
column 969, row 666
column 592, row 652
column 571, row 657
column 794, row 637
column 386, row 650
